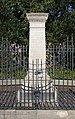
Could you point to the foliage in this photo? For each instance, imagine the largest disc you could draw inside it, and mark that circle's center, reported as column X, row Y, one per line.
column 15, row 74
column 13, row 60
column 61, row 73
column 14, row 24
column 13, row 21
column 61, row 20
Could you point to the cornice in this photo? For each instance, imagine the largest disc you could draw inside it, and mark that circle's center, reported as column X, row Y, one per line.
column 37, row 17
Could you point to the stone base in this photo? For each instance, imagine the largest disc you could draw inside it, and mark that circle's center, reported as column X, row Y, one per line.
column 38, row 84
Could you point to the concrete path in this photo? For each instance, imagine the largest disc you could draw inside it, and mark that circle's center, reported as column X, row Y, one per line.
column 37, row 114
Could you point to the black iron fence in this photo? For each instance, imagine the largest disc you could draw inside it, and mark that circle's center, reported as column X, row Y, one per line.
column 32, row 86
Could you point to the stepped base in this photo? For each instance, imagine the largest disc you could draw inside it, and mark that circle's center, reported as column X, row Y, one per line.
column 37, row 88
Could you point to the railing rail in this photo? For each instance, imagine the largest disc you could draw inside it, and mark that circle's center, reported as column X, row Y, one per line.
column 24, row 87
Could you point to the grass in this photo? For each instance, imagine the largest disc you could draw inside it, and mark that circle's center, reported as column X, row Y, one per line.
column 56, row 72
column 62, row 73
column 15, row 74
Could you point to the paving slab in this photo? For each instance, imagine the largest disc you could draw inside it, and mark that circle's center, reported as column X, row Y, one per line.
column 7, row 116
column 1, row 116
column 2, row 112
column 37, row 114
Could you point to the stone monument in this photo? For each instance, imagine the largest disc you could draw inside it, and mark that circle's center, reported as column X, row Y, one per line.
column 37, row 43
column 37, row 53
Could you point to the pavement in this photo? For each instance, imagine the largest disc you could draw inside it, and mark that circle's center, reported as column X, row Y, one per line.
column 37, row 114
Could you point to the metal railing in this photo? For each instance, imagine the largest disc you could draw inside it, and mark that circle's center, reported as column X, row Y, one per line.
column 35, row 87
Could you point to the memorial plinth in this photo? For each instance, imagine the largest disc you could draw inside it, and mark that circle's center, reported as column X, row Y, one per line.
column 37, row 81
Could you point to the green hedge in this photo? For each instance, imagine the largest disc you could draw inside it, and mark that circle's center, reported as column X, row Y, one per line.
column 16, row 74
column 61, row 73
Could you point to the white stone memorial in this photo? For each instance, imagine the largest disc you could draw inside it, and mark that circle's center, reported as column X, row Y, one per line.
column 37, row 53
column 37, row 43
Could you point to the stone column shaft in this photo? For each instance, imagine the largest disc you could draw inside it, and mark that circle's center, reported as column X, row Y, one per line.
column 37, row 43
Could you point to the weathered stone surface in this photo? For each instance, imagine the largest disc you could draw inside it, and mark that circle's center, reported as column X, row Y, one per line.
column 23, row 112
column 21, row 116
column 7, row 116
column 32, row 114
column 2, row 112
column 47, row 114
column 13, row 116
column 1, row 116
column 71, row 112
column 9, row 112
column 37, row 114
column 71, row 117
column 62, row 114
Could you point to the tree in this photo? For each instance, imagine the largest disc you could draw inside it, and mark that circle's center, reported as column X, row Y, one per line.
column 61, row 20
column 14, row 23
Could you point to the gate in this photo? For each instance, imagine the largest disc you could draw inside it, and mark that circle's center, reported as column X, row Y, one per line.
column 35, row 87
